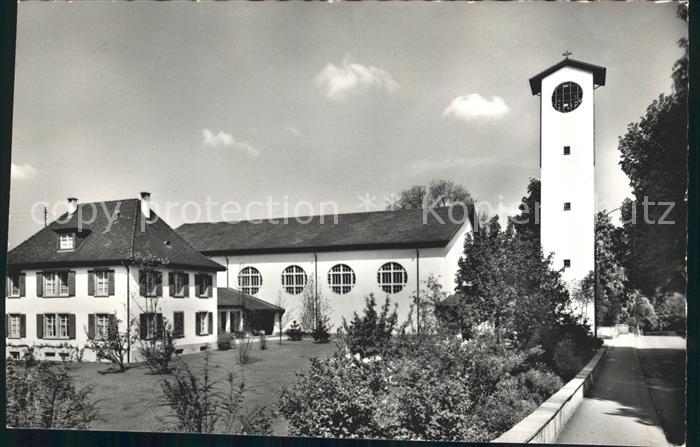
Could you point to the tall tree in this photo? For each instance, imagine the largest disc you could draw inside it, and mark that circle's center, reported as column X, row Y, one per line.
column 613, row 304
column 527, row 222
column 655, row 158
column 440, row 192
column 504, row 280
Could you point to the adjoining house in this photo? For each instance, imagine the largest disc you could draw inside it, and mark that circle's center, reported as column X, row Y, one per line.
column 241, row 312
column 342, row 258
column 103, row 261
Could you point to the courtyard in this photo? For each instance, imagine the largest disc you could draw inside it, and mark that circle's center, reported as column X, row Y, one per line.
column 129, row 401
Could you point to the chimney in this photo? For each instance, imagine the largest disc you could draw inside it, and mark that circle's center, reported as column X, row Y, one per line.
column 146, row 204
column 72, row 205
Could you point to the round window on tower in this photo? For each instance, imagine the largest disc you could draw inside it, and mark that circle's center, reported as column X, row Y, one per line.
column 567, row 97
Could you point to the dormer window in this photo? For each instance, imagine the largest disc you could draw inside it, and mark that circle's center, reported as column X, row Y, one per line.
column 66, row 241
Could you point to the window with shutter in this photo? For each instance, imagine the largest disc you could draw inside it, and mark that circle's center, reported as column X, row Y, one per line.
column 101, row 283
column 56, row 284
column 14, row 326
column 56, row 326
column 13, row 285
column 179, row 324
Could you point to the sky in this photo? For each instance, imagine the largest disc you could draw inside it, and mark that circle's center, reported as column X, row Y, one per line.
column 309, row 103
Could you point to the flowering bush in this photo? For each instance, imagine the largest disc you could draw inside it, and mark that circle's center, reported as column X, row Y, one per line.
column 449, row 389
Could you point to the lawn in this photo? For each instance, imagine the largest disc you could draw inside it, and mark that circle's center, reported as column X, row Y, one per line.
column 129, row 400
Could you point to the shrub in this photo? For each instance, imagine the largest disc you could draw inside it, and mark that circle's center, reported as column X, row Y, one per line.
column 224, row 341
column 263, row 342
column 294, row 332
column 158, row 350
column 244, row 350
column 449, row 390
column 112, row 346
column 372, row 333
column 44, row 396
column 197, row 405
column 567, row 361
column 321, row 334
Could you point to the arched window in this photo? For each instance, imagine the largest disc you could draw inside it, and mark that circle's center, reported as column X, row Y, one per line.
column 294, row 279
column 250, row 280
column 567, row 97
column 341, row 278
column 392, row 277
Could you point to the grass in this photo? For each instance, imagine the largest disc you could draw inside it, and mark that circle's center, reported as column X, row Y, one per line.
column 129, row 400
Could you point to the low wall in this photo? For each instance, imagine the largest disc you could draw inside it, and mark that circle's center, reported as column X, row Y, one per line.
column 543, row 425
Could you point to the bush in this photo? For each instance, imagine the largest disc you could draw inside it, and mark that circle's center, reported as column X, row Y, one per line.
column 372, row 333
column 197, row 406
column 321, row 334
column 113, row 346
column 294, row 332
column 567, row 361
column 263, row 342
column 448, row 390
column 44, row 396
column 224, row 341
column 244, row 350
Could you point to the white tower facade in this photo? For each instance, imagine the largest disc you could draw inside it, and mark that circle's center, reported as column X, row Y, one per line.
column 567, row 163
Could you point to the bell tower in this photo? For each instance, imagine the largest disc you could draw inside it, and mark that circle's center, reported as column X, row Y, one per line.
column 567, row 164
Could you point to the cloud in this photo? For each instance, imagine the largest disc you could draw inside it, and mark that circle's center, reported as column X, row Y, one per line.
column 340, row 82
column 223, row 139
column 23, row 171
column 474, row 106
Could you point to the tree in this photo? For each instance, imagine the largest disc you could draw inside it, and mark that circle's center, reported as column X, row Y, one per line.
column 314, row 308
column 527, row 223
column 612, row 300
column 112, row 346
column 505, row 281
column 440, row 192
column 654, row 155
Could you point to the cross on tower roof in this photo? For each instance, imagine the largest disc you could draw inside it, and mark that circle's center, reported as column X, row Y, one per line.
column 567, row 53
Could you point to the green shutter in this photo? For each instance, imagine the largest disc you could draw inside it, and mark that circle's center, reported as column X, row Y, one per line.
column 39, row 326
column 91, row 326
column 71, row 283
column 159, row 283
column 22, row 284
column 23, row 326
column 110, row 285
column 187, row 284
column 91, row 283
column 71, row 326
column 39, row 284
column 171, row 283
column 142, row 326
column 142, row 282
column 210, row 317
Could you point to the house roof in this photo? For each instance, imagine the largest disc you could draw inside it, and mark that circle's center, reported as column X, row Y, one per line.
column 112, row 232
column 598, row 73
column 353, row 231
column 227, row 297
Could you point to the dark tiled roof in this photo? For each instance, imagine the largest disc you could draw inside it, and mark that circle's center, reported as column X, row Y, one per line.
column 353, row 231
column 235, row 298
column 598, row 73
column 129, row 237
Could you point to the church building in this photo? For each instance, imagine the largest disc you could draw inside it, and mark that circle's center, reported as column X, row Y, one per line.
column 342, row 258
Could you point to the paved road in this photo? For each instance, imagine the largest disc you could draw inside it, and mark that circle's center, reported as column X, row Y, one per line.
column 619, row 409
column 663, row 361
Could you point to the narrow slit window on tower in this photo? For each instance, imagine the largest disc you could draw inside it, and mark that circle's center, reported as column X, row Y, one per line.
column 567, row 263
column 567, row 206
column 567, row 150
